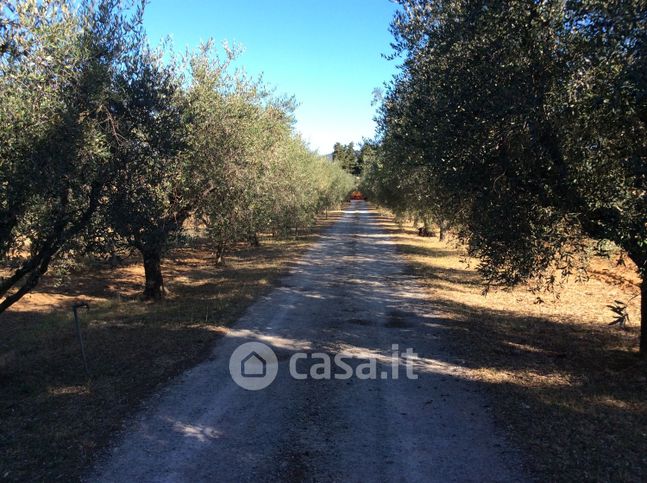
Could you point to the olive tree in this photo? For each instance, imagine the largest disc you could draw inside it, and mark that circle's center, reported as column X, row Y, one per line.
column 151, row 196
column 59, row 64
column 528, row 120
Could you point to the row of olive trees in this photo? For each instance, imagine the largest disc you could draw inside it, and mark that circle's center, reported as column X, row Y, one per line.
column 104, row 142
column 524, row 125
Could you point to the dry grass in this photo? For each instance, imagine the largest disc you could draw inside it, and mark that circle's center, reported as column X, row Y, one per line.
column 570, row 389
column 53, row 419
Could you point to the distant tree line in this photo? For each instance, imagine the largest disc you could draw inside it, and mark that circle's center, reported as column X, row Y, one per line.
column 107, row 142
column 352, row 160
column 522, row 125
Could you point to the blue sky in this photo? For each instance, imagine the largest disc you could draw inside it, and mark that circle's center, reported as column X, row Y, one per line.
column 327, row 53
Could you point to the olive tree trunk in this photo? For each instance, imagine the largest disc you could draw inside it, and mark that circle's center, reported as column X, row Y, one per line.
column 220, row 253
column 154, row 283
column 442, row 230
column 643, row 317
column 639, row 257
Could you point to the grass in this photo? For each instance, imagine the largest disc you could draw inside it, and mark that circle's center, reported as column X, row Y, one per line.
column 55, row 420
column 570, row 390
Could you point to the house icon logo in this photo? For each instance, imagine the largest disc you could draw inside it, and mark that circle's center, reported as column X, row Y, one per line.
column 253, row 366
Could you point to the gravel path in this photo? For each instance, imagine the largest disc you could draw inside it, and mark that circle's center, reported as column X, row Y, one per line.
column 350, row 293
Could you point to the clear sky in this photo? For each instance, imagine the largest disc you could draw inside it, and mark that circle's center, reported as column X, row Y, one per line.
column 327, row 53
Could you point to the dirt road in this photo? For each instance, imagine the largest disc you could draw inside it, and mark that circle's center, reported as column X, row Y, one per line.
column 349, row 294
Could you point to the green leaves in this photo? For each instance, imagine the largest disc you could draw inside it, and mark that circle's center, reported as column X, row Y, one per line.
column 523, row 123
column 60, row 62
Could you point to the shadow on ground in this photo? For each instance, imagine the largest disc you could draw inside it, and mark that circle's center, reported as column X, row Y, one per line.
column 54, row 419
column 571, row 390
